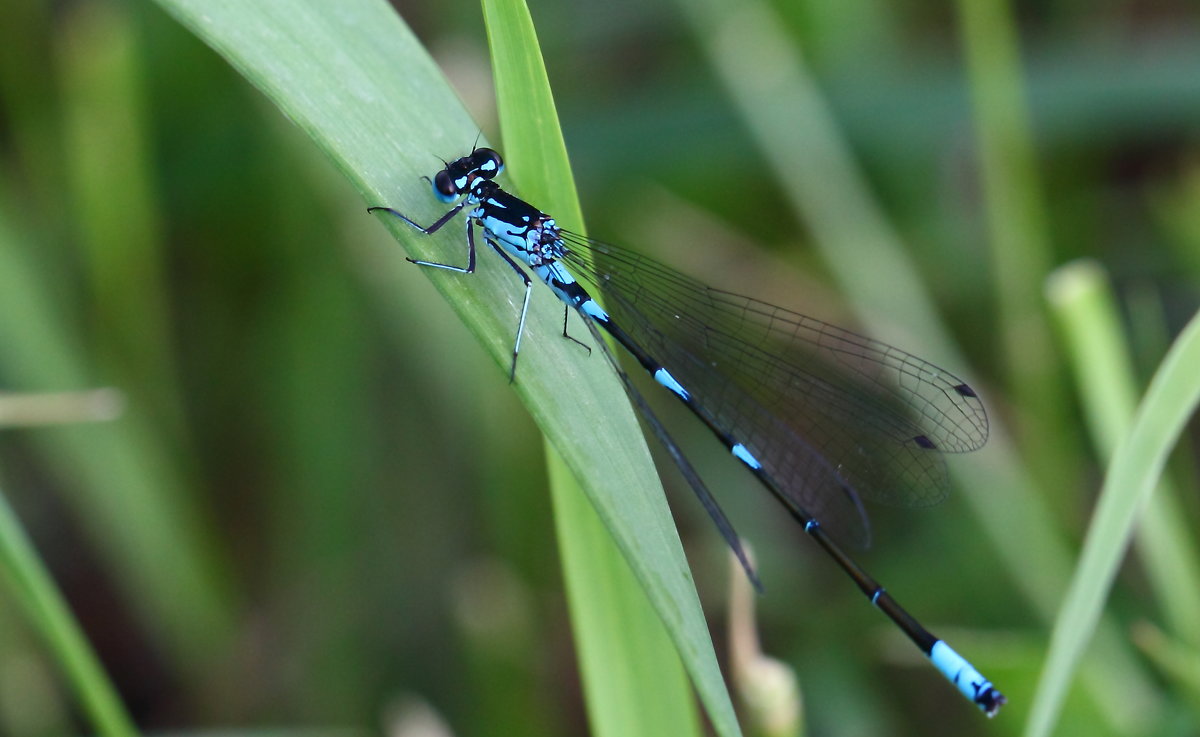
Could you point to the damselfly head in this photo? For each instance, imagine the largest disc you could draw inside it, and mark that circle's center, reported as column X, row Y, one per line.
column 487, row 162
column 459, row 175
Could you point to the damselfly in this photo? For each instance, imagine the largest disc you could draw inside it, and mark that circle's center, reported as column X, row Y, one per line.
column 821, row 416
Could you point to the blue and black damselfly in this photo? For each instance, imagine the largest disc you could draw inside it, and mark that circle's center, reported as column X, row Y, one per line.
column 821, row 416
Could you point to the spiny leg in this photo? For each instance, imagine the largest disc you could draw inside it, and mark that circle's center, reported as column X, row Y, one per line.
column 512, row 373
column 470, row 267
column 427, row 231
column 568, row 336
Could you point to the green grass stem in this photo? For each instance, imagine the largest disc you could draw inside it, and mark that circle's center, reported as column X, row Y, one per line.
column 1132, row 475
column 49, row 615
column 1086, row 311
column 631, row 674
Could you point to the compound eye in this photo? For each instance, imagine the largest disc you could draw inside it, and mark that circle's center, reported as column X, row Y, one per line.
column 444, row 187
column 487, row 162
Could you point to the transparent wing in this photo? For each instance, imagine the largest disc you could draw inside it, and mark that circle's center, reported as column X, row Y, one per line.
column 830, row 414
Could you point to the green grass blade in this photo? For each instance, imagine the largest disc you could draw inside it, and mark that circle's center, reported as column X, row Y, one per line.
column 110, row 165
column 1019, row 242
column 355, row 79
column 124, row 488
column 1133, row 473
column 34, row 589
column 1086, row 310
column 632, row 676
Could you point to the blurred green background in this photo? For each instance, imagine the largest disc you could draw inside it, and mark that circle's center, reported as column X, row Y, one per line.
column 322, row 506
